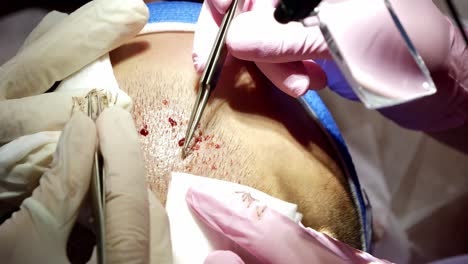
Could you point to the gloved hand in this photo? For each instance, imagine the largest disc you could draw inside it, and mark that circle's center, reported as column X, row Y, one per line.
column 279, row 51
column 267, row 235
column 130, row 236
column 39, row 231
column 58, row 47
column 255, row 36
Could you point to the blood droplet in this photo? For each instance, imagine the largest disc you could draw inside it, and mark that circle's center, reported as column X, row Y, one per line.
column 198, row 139
column 200, row 133
column 213, row 167
column 196, row 147
column 145, row 126
column 217, row 146
column 181, row 142
column 144, row 132
column 165, row 102
column 172, row 122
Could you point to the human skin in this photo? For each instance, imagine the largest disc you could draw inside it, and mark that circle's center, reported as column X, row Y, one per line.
column 257, row 136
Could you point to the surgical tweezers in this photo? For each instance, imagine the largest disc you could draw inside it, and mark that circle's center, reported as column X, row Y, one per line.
column 210, row 75
column 97, row 184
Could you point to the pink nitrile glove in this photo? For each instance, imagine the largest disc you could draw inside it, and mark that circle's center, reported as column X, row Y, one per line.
column 283, row 53
column 441, row 47
column 254, row 35
column 268, row 235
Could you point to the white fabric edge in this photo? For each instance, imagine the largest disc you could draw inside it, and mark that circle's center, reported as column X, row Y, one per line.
column 167, row 27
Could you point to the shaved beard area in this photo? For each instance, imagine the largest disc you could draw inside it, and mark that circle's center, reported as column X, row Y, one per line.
column 245, row 135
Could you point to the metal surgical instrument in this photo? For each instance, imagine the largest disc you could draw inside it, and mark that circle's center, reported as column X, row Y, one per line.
column 97, row 183
column 210, row 75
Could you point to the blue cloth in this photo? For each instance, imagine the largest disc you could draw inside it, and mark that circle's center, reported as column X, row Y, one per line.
column 188, row 12
column 185, row 12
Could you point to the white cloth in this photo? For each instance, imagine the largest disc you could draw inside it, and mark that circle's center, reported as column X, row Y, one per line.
column 416, row 185
column 191, row 241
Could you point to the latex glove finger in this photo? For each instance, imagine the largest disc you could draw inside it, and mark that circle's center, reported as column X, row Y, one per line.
column 44, row 112
column 82, row 37
column 100, row 76
column 242, row 40
column 38, row 232
column 207, row 27
column 50, row 111
column 160, row 236
column 127, row 227
column 294, row 78
column 257, row 36
column 221, row 256
column 49, row 21
column 22, row 163
column 268, row 235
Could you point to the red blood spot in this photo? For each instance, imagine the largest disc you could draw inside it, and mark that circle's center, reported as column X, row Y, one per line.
column 198, row 139
column 200, row 133
column 217, row 146
column 145, row 126
column 196, row 147
column 144, row 132
column 213, row 167
column 172, row 122
column 165, row 102
column 181, row 142
column 207, row 137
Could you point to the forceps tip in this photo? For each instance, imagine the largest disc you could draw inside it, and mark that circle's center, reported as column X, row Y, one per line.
column 188, row 138
column 184, row 152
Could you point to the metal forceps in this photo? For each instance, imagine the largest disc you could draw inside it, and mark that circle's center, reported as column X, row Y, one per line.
column 97, row 183
column 210, row 75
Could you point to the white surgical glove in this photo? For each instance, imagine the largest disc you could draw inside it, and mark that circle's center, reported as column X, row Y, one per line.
column 39, row 231
column 57, row 49
column 135, row 232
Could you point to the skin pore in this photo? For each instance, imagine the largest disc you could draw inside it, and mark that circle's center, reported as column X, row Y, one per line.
column 245, row 136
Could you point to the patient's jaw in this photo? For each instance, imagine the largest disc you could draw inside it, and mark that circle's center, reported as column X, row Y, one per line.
column 245, row 136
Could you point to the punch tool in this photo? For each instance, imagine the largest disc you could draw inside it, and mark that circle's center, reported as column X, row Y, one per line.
column 97, row 184
column 210, row 75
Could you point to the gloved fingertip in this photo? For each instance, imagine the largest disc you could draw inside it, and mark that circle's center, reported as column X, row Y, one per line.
column 221, row 5
column 191, row 198
column 79, row 123
column 197, row 63
column 317, row 76
column 197, row 198
column 223, row 256
column 296, row 86
column 203, row 206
